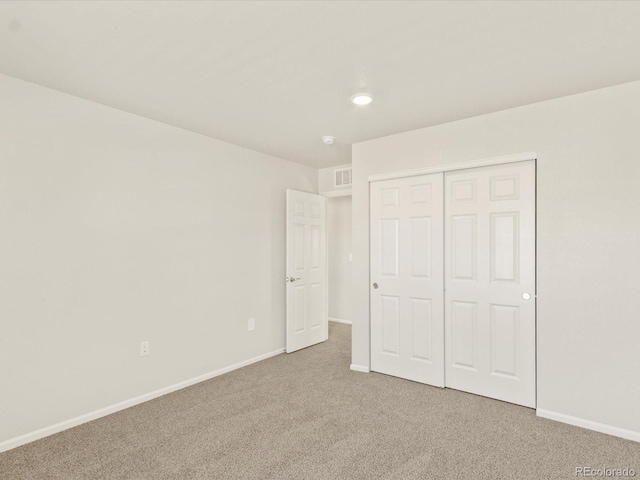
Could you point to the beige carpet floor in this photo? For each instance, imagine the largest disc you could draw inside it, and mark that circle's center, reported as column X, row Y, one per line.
column 307, row 416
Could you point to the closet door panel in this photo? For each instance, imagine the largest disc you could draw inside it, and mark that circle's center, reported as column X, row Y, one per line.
column 407, row 318
column 490, row 281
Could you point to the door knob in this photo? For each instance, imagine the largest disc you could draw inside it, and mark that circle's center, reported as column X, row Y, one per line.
column 375, row 285
column 526, row 295
column 291, row 279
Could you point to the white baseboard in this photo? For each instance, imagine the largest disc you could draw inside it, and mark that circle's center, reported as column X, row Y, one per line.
column 103, row 412
column 339, row 320
column 359, row 368
column 590, row 425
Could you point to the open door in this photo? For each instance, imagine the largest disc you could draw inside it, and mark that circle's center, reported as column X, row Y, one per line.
column 307, row 316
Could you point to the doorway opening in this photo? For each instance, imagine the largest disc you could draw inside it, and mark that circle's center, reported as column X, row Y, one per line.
column 339, row 258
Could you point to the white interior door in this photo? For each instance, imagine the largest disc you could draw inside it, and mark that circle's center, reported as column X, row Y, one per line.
column 307, row 316
column 407, row 332
column 490, row 282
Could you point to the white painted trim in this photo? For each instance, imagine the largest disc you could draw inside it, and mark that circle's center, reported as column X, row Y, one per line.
column 337, row 193
column 103, row 412
column 326, row 262
column 359, row 368
column 518, row 157
column 339, row 320
column 590, row 425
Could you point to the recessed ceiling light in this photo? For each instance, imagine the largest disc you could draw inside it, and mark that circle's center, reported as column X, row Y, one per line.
column 328, row 140
column 362, row 99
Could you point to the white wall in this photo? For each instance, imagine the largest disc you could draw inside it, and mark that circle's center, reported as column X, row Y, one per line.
column 339, row 246
column 117, row 229
column 588, row 239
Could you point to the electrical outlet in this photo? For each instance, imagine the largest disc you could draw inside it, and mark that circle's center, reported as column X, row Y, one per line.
column 251, row 324
column 144, row 348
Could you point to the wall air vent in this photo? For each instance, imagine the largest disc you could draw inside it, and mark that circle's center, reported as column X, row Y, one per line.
column 342, row 177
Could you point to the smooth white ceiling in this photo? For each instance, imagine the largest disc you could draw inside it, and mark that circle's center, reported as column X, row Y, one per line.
column 276, row 76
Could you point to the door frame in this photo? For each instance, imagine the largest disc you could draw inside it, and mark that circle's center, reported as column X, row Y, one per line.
column 484, row 162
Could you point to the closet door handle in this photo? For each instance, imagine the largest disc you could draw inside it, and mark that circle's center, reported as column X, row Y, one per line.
column 375, row 285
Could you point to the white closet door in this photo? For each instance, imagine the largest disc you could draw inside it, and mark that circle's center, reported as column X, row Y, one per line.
column 490, row 282
column 407, row 330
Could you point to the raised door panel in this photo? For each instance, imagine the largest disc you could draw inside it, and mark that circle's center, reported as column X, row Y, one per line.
column 389, row 231
column 390, row 322
column 505, row 187
column 464, row 334
column 421, row 331
column 300, row 310
column 421, row 193
column 299, row 246
column 463, row 247
column 420, row 246
column 315, row 305
column 505, row 246
column 463, row 191
column 389, row 197
column 316, row 251
column 505, row 336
